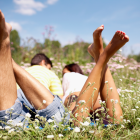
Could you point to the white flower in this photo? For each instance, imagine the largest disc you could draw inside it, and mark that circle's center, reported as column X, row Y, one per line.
column 82, row 110
column 50, row 120
column 6, row 117
column 10, row 121
column 19, row 124
column 106, row 82
column 1, row 127
column 60, row 135
column 86, row 108
column 76, row 115
column 76, row 105
column 82, row 101
column 133, row 110
column 50, row 136
column 28, row 115
column 121, row 117
column 12, row 108
column 128, row 121
column 108, row 116
column 91, row 131
column 11, row 130
column 54, row 126
column 44, row 101
column 136, row 107
column 112, row 100
column 85, row 123
column 100, row 102
column 138, row 119
column 36, row 127
column 7, row 127
column 116, row 101
column 83, row 129
column 120, row 79
column 95, row 88
column 124, row 120
column 76, row 129
column 97, row 119
column 122, row 126
column 111, row 88
column 52, row 116
column 37, row 115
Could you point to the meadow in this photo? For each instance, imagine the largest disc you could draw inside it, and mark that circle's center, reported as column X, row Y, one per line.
column 126, row 74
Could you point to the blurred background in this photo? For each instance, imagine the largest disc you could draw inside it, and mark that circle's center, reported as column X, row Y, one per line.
column 63, row 29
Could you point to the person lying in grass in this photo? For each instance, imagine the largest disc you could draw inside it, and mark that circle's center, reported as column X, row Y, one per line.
column 46, row 104
column 72, row 83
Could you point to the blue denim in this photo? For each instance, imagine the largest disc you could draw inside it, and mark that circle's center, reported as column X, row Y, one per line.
column 18, row 111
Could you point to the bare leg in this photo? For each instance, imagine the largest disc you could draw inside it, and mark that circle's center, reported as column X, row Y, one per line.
column 118, row 40
column 96, row 50
column 34, row 91
column 8, row 92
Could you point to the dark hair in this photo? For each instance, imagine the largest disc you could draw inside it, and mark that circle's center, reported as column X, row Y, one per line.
column 38, row 58
column 74, row 68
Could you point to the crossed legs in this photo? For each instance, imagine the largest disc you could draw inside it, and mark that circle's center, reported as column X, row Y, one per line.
column 106, row 93
column 99, row 72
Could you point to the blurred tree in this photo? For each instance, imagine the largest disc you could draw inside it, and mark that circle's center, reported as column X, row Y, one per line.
column 15, row 46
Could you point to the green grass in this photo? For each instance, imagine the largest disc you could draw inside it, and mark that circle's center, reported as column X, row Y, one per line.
column 127, row 81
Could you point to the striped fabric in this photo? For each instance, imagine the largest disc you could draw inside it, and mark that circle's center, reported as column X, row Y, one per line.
column 48, row 78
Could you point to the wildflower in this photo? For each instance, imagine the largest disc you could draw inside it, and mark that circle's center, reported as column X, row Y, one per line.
column 138, row 119
column 91, row 131
column 10, row 121
column 133, row 110
column 76, row 105
column 128, row 121
column 28, row 115
column 50, row 136
column 136, row 107
column 1, row 127
column 60, row 135
column 124, row 120
column 7, row 127
column 82, row 110
column 11, row 130
column 108, row 116
column 122, row 126
column 85, row 123
column 36, row 127
column 54, row 126
column 76, row 115
column 6, row 117
column 76, row 129
column 19, row 124
column 112, row 100
column 121, row 117
column 100, row 102
column 95, row 88
column 83, row 129
column 52, row 116
column 50, row 120
column 86, row 108
column 106, row 82
column 12, row 108
column 37, row 115
column 120, row 79
column 44, row 101
column 97, row 119
column 82, row 101
column 116, row 101
column 111, row 88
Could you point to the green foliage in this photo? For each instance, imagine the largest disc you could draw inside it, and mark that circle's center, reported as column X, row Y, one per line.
column 135, row 57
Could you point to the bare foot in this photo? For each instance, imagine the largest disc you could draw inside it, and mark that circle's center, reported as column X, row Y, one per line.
column 96, row 48
column 5, row 29
column 118, row 40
